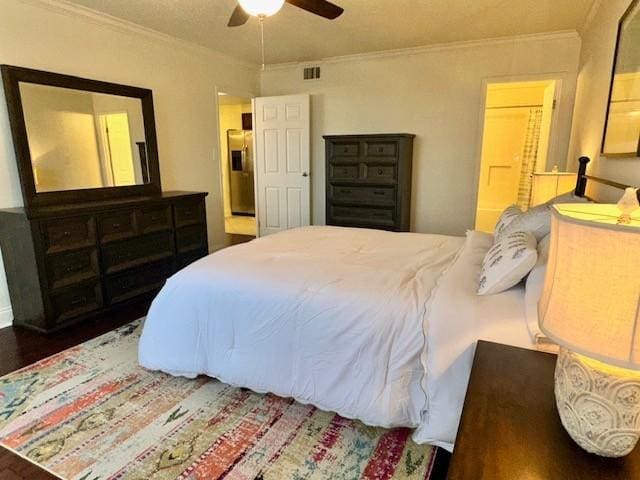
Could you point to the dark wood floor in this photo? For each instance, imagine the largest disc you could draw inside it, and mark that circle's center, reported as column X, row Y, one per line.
column 20, row 347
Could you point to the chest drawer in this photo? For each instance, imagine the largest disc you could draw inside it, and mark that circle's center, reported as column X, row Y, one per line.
column 384, row 173
column 137, row 251
column 116, row 226
column 361, row 215
column 345, row 149
column 190, row 238
column 370, row 195
column 133, row 283
column 343, row 172
column 382, row 149
column 72, row 267
column 189, row 212
column 68, row 233
column 155, row 219
column 75, row 301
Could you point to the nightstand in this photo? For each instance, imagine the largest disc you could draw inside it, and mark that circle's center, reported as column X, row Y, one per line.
column 510, row 428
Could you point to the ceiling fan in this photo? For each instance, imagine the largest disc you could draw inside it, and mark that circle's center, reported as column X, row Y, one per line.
column 265, row 8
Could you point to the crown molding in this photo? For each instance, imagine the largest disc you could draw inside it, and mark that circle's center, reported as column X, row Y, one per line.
column 123, row 26
column 401, row 52
column 590, row 16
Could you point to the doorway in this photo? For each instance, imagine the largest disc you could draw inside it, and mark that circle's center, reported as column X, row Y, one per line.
column 518, row 120
column 117, row 158
column 237, row 165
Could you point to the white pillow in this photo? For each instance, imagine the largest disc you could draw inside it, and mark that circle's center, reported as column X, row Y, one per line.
column 533, row 290
column 569, row 197
column 508, row 215
column 536, row 220
column 507, row 262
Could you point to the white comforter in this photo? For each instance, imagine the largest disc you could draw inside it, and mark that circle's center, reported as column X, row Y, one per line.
column 333, row 317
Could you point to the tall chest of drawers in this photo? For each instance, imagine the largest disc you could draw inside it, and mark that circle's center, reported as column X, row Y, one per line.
column 67, row 263
column 368, row 180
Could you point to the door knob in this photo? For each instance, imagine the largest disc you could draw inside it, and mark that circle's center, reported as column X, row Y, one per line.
column 305, row 174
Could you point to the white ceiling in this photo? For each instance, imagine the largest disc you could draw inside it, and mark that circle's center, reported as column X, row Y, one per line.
column 366, row 26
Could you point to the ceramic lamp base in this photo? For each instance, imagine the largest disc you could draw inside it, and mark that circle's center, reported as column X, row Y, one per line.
column 599, row 405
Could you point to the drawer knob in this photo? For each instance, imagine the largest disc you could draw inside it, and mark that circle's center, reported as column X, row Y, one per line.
column 378, row 192
column 116, row 225
column 78, row 301
column 346, row 190
column 66, row 233
column 380, row 150
column 380, row 171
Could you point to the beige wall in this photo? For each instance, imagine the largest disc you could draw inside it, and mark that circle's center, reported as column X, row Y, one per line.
column 62, row 137
column 594, row 79
column 183, row 79
column 438, row 94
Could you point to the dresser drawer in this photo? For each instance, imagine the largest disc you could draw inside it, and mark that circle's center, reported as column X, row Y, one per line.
column 116, row 226
column 343, row 172
column 137, row 251
column 75, row 301
column 133, row 283
column 371, row 195
column 190, row 238
column 382, row 149
column 189, row 212
column 345, row 149
column 68, row 233
column 67, row 268
column 155, row 219
column 363, row 215
column 381, row 173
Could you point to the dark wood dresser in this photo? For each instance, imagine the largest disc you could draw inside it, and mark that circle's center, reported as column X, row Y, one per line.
column 67, row 263
column 369, row 181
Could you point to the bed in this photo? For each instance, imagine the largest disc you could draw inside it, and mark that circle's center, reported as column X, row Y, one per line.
column 373, row 325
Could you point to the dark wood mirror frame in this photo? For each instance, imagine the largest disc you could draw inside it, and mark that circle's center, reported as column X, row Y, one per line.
column 11, row 78
column 627, row 13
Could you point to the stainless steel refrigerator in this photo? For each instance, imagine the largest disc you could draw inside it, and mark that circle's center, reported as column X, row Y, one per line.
column 240, row 146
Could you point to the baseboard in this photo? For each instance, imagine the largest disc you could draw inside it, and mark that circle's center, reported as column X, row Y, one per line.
column 6, row 317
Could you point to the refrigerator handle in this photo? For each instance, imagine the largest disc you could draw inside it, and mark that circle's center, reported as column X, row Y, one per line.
column 244, row 158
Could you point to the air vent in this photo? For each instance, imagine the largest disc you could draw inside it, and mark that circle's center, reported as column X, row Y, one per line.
column 312, row 73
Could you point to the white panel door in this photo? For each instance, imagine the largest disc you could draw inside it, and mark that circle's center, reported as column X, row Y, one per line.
column 283, row 193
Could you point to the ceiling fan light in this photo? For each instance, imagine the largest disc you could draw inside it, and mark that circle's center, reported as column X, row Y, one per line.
column 261, row 8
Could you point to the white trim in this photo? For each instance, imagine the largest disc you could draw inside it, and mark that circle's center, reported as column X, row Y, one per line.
column 6, row 317
column 73, row 10
column 591, row 14
column 564, row 34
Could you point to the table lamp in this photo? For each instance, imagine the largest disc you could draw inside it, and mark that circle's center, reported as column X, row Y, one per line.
column 590, row 306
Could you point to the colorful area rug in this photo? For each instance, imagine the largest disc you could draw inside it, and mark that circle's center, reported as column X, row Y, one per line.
column 91, row 413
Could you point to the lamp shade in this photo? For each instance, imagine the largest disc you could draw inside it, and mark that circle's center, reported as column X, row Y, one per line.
column 591, row 298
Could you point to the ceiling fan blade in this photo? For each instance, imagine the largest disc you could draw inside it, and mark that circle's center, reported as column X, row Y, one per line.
column 238, row 17
column 319, row 7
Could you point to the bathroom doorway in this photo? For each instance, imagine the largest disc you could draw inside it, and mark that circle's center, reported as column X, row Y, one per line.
column 237, row 165
column 518, row 120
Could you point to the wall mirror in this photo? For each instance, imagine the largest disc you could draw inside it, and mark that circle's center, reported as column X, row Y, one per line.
column 622, row 130
column 79, row 139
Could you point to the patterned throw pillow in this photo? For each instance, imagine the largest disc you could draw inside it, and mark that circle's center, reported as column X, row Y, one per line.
column 506, row 263
column 536, row 220
column 508, row 216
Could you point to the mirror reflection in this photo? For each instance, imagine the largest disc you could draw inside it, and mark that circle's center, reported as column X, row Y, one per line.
column 79, row 139
column 622, row 135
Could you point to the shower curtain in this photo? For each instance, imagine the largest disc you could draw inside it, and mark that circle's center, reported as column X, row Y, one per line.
column 529, row 157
